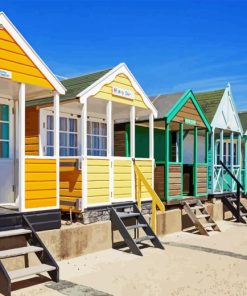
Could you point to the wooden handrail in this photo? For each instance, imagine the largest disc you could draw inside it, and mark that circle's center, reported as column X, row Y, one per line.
column 156, row 202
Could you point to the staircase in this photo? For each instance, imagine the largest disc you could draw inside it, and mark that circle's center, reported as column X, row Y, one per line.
column 231, row 202
column 17, row 225
column 199, row 216
column 128, row 217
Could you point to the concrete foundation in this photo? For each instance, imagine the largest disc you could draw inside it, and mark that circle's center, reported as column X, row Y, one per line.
column 78, row 239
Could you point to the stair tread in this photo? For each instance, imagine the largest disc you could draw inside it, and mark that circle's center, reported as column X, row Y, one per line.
column 197, row 208
column 209, row 225
column 144, row 238
column 19, row 251
column 202, row 216
column 136, row 226
column 127, row 214
column 14, row 232
column 24, row 272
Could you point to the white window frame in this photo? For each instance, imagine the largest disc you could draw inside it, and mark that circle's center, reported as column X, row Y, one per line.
column 43, row 131
column 99, row 120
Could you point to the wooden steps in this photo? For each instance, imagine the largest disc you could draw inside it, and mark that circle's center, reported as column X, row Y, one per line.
column 231, row 202
column 200, row 217
column 128, row 217
column 33, row 245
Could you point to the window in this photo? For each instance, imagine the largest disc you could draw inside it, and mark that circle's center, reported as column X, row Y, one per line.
column 96, row 138
column 4, row 131
column 68, row 136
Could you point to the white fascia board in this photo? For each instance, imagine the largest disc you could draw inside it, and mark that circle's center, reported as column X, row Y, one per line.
column 108, row 78
column 9, row 26
column 221, row 116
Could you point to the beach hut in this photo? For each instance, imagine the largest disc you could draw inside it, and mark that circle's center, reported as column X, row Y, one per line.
column 180, row 147
column 243, row 119
column 29, row 190
column 95, row 173
column 225, row 139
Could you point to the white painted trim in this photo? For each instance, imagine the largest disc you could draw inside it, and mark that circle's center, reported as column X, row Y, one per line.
column 213, row 160
column 21, row 133
column 232, row 154
column 57, row 145
column 109, row 149
column 12, row 30
column 84, row 153
column 221, row 156
column 40, row 209
column 151, row 136
column 132, row 131
column 108, row 78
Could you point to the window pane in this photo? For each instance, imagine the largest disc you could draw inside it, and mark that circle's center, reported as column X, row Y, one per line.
column 103, row 143
column 4, row 149
column 73, row 140
column 89, row 140
column 63, row 124
column 103, row 129
column 72, row 125
column 4, row 112
column 49, row 151
column 72, row 152
column 50, row 138
column 89, row 127
column 95, row 142
column 95, row 128
column 50, row 122
column 89, row 152
column 63, row 152
column 4, row 131
column 63, row 139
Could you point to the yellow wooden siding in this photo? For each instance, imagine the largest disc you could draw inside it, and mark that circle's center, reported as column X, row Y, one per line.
column 14, row 59
column 40, row 183
column 122, row 174
column 98, row 181
column 121, row 81
column 147, row 169
column 32, row 131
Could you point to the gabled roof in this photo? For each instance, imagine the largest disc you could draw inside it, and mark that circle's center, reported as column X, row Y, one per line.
column 29, row 51
column 209, row 101
column 243, row 118
column 74, row 86
column 168, row 105
column 165, row 102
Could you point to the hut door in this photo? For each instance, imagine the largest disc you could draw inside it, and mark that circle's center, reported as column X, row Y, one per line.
column 6, row 152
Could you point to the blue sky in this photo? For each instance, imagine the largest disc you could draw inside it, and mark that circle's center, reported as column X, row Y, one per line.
column 168, row 45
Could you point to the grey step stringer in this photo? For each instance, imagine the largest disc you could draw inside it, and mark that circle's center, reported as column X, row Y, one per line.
column 196, row 211
column 122, row 214
column 34, row 245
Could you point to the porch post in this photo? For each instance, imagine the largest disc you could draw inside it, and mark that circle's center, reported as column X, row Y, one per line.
column 212, row 160
column 166, row 164
column 245, row 163
column 57, row 144
column 109, row 128
column 181, row 154
column 151, row 136
column 239, row 156
column 232, row 155
column 195, row 161
column 21, row 132
column 84, row 153
column 132, row 131
column 221, row 158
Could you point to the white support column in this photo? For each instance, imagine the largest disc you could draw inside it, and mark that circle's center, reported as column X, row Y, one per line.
column 212, row 160
column 21, row 132
column 151, row 136
column 109, row 128
column 221, row 157
column 239, row 157
column 132, row 131
column 84, row 153
column 57, row 144
column 232, row 156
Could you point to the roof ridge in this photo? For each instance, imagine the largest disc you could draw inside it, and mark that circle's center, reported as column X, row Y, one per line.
column 209, row 91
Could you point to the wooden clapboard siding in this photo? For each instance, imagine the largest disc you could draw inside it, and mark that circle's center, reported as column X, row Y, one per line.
column 175, row 180
column 70, row 179
column 32, row 131
column 98, row 181
column 159, row 180
column 202, row 179
column 122, row 174
column 40, row 183
column 189, row 111
column 146, row 168
column 14, row 59
column 119, row 143
column 121, row 81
